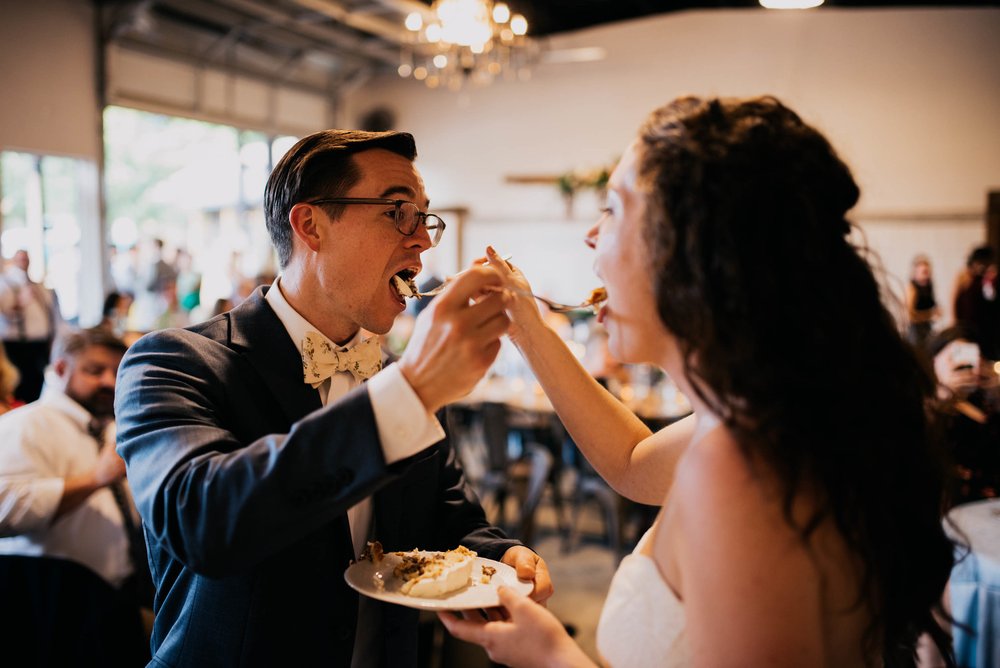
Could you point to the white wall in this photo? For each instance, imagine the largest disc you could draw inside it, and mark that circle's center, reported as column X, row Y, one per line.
column 911, row 99
column 47, row 71
column 50, row 106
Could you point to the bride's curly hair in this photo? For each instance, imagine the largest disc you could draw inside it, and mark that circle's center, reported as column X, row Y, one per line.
column 784, row 332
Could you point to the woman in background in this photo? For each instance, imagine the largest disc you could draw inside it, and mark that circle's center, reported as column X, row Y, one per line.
column 801, row 504
column 921, row 306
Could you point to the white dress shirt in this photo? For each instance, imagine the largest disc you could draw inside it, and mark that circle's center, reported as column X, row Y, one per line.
column 405, row 427
column 41, row 444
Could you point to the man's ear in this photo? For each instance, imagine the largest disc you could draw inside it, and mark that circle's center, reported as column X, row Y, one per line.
column 60, row 366
column 304, row 223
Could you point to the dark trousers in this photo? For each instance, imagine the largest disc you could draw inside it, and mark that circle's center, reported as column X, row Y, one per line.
column 30, row 358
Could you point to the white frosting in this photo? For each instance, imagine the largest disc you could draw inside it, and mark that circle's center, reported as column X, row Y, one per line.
column 447, row 572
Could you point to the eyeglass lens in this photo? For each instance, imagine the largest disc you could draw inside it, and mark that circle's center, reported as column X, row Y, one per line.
column 409, row 217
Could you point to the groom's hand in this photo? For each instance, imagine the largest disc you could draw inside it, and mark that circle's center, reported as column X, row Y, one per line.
column 456, row 338
column 530, row 566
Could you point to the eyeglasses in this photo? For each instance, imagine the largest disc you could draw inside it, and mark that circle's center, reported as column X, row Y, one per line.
column 407, row 215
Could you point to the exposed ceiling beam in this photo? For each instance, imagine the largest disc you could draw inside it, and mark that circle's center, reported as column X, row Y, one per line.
column 185, row 57
column 395, row 33
column 341, row 39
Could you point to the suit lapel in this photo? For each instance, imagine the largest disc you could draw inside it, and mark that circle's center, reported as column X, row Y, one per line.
column 258, row 334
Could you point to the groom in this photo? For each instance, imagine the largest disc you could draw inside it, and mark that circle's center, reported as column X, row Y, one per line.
column 260, row 462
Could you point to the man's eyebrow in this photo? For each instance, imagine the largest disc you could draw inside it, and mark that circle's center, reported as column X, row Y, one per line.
column 397, row 190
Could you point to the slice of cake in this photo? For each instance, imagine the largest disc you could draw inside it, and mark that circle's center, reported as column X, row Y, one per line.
column 597, row 297
column 405, row 285
column 434, row 574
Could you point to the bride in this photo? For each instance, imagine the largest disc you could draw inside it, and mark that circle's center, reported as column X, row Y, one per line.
column 801, row 503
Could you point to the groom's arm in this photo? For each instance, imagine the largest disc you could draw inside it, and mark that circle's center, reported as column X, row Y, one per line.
column 217, row 504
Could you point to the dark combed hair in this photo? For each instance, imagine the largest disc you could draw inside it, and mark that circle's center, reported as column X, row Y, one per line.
column 784, row 332
column 321, row 165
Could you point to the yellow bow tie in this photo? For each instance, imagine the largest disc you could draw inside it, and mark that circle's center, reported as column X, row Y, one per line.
column 320, row 360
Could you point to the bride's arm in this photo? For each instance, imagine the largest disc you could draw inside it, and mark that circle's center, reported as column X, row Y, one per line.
column 636, row 462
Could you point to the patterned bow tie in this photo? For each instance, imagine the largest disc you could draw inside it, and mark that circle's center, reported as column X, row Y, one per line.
column 320, row 360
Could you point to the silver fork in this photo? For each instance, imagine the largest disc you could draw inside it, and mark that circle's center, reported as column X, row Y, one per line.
column 436, row 291
column 556, row 307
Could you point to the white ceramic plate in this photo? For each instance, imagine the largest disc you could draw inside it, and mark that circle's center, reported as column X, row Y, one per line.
column 378, row 582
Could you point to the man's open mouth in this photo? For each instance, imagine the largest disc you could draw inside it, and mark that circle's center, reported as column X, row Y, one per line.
column 403, row 283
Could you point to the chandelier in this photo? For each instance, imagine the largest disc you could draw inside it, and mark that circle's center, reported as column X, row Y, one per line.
column 461, row 42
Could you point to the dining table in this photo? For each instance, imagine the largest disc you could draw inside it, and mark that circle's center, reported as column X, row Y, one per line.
column 974, row 586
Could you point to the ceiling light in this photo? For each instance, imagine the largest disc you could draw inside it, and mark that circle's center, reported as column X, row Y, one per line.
column 468, row 41
column 790, row 4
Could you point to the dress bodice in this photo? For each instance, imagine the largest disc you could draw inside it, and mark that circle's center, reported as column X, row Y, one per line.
column 642, row 623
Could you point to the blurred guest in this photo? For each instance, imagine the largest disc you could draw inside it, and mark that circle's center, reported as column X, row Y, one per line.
column 975, row 300
column 969, row 409
column 29, row 321
column 155, row 273
column 9, row 378
column 601, row 364
column 921, row 306
column 114, row 314
column 62, row 491
column 188, row 281
column 124, row 268
column 426, row 285
column 172, row 314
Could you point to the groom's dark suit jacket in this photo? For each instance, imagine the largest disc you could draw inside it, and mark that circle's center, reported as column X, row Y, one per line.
column 243, row 481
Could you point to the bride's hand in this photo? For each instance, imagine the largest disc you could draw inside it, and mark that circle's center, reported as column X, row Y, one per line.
column 523, row 635
column 522, row 309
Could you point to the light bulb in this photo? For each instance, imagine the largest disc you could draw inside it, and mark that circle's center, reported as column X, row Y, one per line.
column 414, row 21
column 501, row 12
column 518, row 24
column 790, row 4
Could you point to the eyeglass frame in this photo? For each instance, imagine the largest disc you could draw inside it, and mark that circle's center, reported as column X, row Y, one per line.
column 422, row 216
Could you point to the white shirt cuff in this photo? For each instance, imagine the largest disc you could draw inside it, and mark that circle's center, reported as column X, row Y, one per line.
column 404, row 425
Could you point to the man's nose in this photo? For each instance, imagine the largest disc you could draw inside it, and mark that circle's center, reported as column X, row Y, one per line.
column 108, row 378
column 421, row 238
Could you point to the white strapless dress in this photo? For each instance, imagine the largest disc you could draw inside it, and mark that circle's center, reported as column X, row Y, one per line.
column 642, row 623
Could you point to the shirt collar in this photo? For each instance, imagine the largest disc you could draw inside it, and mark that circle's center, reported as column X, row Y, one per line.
column 60, row 401
column 294, row 323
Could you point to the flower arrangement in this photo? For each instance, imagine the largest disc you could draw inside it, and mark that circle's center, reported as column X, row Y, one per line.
column 578, row 179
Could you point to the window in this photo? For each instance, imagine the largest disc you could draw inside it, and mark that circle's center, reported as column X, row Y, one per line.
column 197, row 187
column 44, row 203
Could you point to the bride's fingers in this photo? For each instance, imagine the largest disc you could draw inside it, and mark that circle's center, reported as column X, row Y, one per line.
column 495, row 614
column 500, row 264
column 464, row 629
